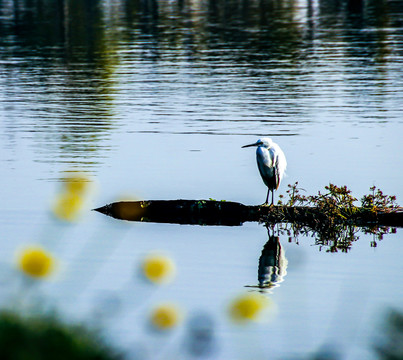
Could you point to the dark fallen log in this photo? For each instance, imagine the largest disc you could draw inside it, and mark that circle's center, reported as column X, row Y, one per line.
column 211, row 212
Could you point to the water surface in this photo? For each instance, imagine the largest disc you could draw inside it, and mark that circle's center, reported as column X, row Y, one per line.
column 154, row 100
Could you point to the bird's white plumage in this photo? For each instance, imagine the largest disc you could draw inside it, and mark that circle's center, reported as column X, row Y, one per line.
column 271, row 163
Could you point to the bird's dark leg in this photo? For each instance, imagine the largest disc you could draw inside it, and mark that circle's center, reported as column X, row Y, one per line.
column 267, row 197
column 270, row 226
column 272, row 197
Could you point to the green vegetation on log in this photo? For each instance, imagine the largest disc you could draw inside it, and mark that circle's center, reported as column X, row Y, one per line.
column 333, row 217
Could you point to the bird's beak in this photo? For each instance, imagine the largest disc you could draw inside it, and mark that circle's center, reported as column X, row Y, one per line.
column 254, row 144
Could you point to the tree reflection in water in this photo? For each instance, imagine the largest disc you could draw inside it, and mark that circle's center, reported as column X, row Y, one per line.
column 335, row 238
column 273, row 263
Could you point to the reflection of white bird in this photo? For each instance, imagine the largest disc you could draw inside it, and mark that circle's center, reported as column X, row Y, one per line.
column 272, row 264
column 271, row 163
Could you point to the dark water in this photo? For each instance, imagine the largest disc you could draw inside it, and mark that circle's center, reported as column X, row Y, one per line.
column 154, row 99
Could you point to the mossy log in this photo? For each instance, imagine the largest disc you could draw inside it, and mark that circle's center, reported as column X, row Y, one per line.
column 211, row 212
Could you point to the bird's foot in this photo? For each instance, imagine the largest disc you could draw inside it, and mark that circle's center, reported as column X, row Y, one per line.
column 267, row 204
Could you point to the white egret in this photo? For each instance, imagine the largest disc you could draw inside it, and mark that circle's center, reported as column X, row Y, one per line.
column 271, row 162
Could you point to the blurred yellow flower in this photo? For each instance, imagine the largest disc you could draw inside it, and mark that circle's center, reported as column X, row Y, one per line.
column 158, row 269
column 70, row 202
column 249, row 307
column 36, row 262
column 76, row 183
column 68, row 206
column 165, row 317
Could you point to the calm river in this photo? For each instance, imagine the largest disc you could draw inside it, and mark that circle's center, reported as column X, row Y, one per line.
column 153, row 99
